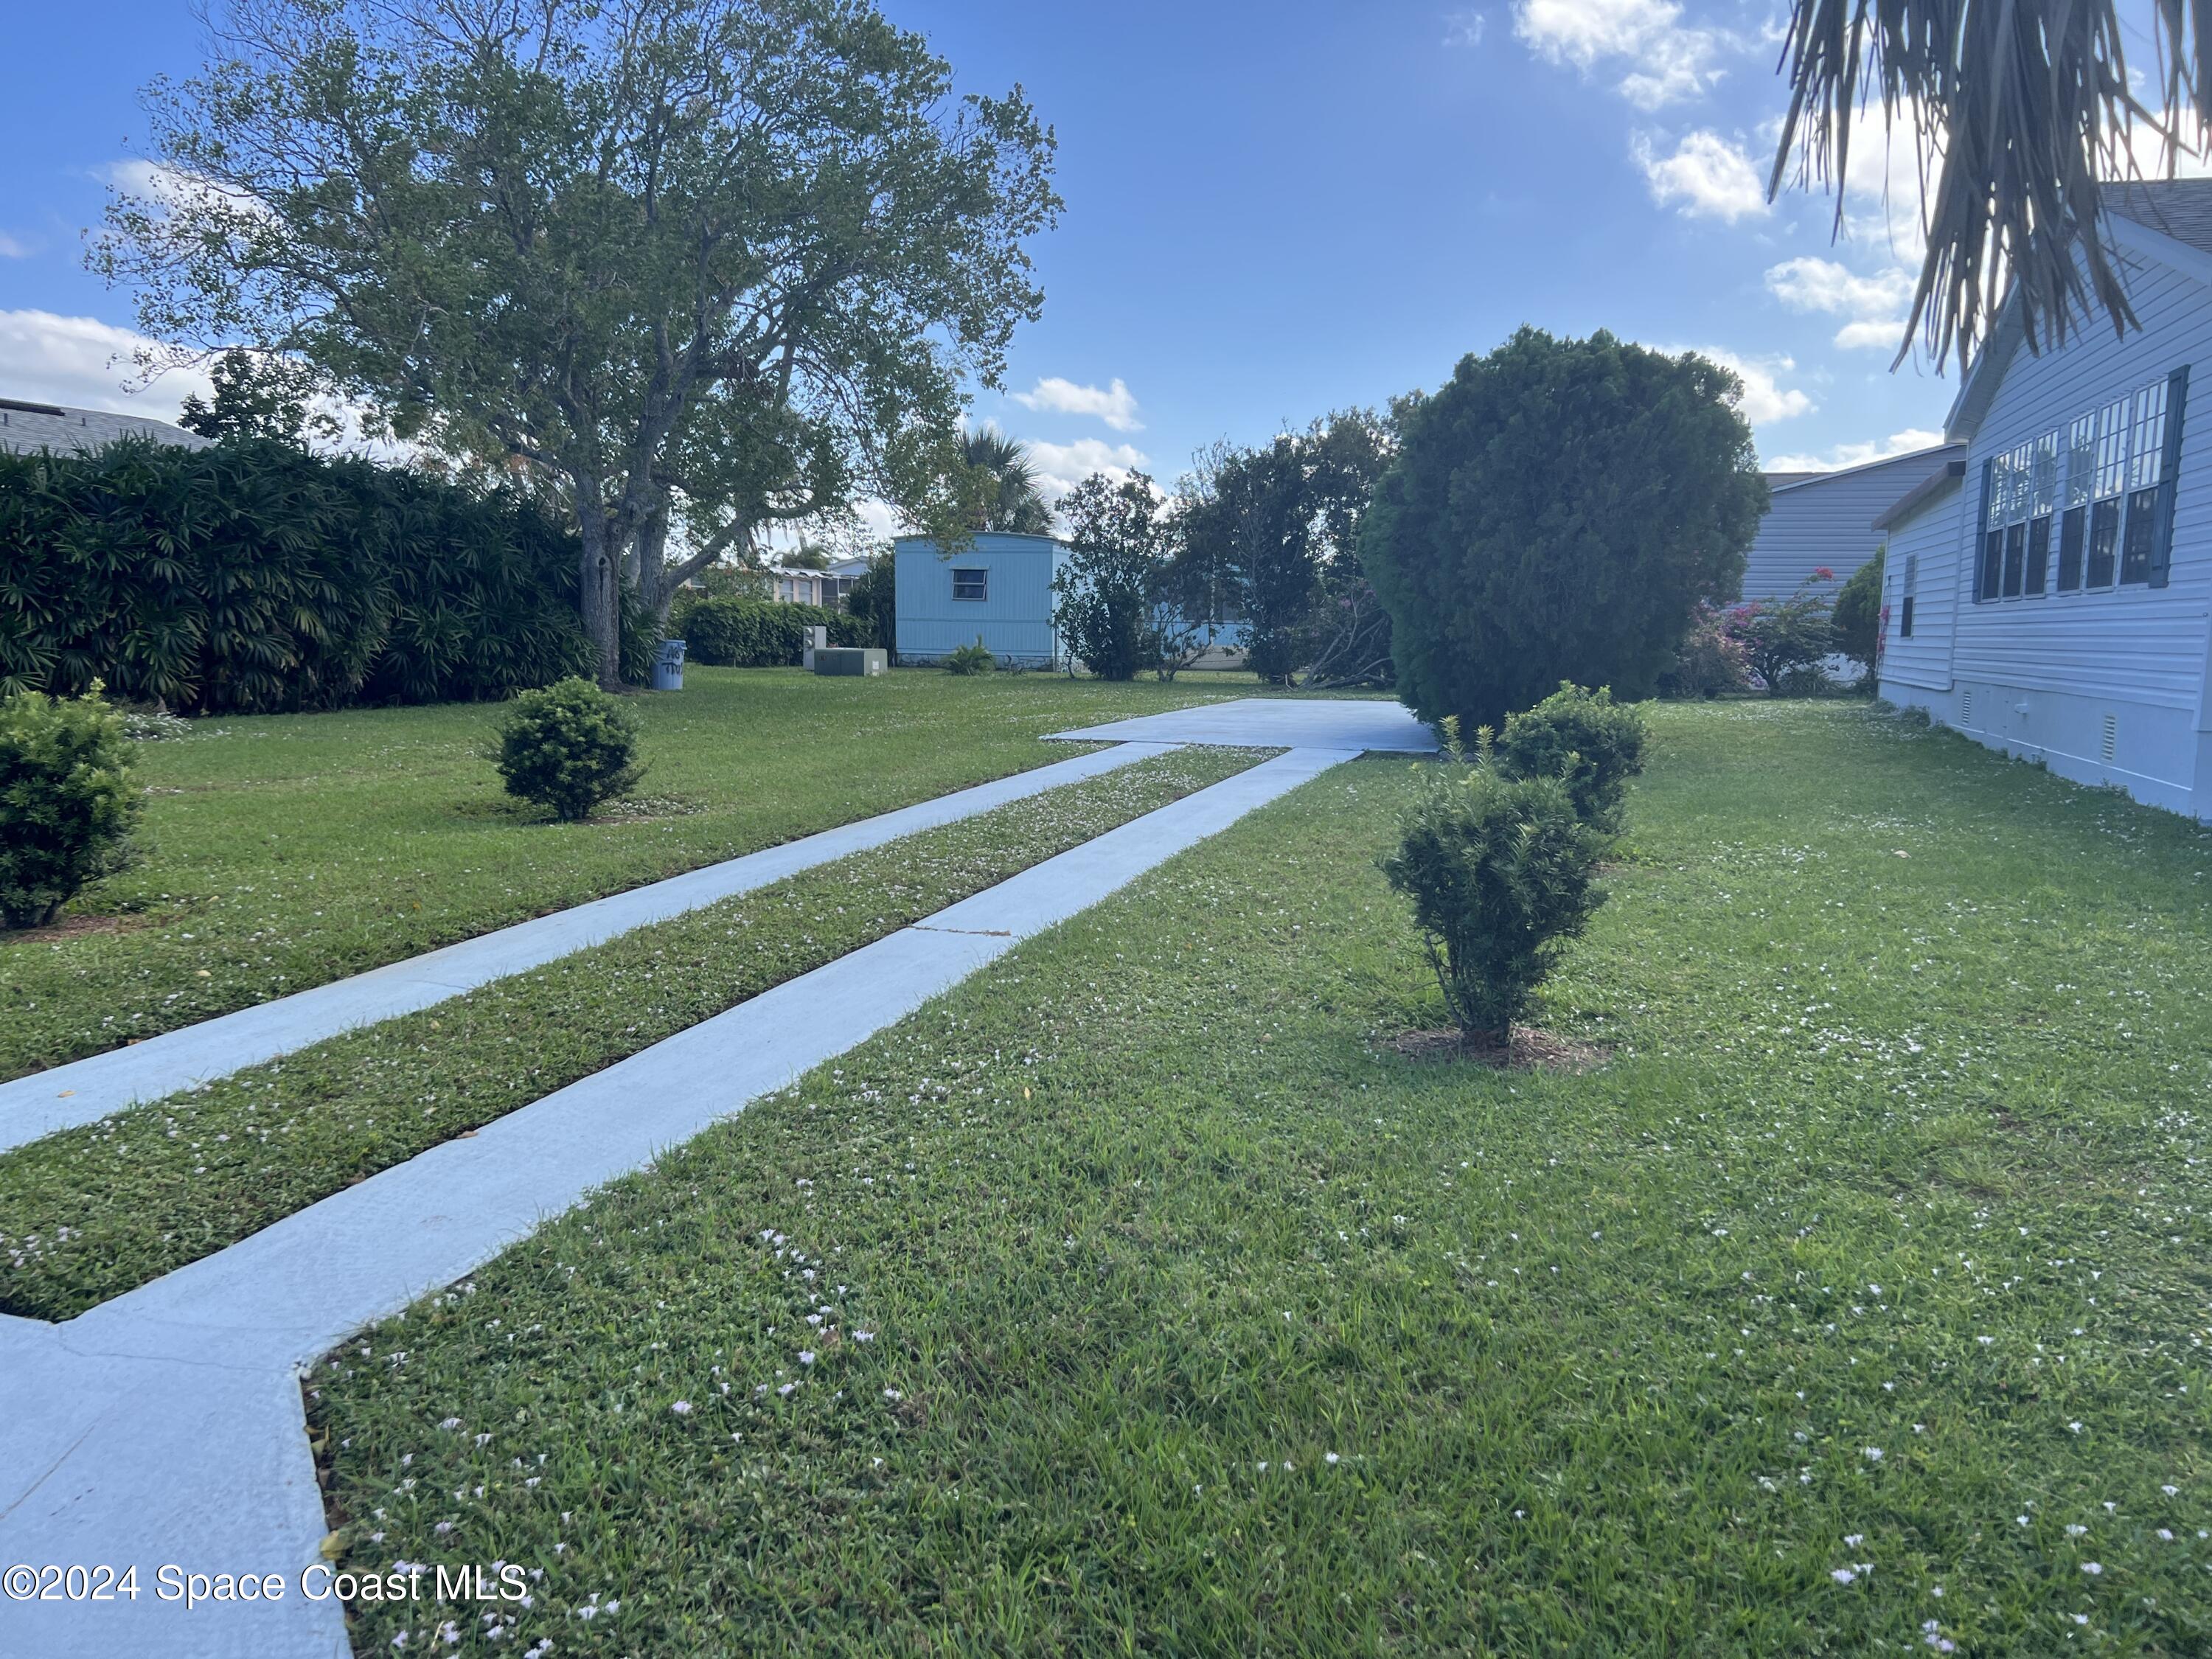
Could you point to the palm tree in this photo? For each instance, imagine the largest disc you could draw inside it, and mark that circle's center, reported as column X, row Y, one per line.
column 2022, row 111
column 1015, row 504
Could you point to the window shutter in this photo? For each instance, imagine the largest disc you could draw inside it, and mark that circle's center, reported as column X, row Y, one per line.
column 1982, row 528
column 2169, row 476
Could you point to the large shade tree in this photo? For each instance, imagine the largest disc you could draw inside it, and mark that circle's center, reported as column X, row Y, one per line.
column 1270, row 537
column 2017, row 113
column 705, row 265
column 1557, row 511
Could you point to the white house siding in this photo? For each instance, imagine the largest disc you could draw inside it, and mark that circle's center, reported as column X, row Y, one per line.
column 1933, row 536
column 2104, row 687
column 1828, row 521
column 1014, row 618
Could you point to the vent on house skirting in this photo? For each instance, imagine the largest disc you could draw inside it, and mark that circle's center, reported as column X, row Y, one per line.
column 2110, row 746
column 1966, row 707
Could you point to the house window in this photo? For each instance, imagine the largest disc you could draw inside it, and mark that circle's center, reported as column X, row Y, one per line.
column 1911, row 592
column 971, row 584
column 2105, row 491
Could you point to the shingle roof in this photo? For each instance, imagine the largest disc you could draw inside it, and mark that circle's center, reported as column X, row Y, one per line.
column 2179, row 208
column 26, row 426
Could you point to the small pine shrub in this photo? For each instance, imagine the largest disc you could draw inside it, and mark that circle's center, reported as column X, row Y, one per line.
column 1584, row 738
column 568, row 747
column 970, row 658
column 67, row 803
column 1501, row 872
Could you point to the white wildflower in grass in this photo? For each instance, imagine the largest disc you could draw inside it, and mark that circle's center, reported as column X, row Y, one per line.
column 2171, row 1491
column 2094, row 1569
column 785, row 1391
column 682, row 1408
column 2075, row 1427
column 806, row 1356
column 1853, row 1540
column 451, row 1423
column 2166, row 1535
column 1329, row 1457
column 893, row 1393
column 1874, row 1453
column 1843, row 1576
column 2074, row 1530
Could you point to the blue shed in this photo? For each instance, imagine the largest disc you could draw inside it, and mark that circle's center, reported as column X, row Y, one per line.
column 997, row 590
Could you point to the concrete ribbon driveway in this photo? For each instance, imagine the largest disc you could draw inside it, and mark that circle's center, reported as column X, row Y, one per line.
column 166, row 1426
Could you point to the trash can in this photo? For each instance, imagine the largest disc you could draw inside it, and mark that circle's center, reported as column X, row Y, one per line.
column 668, row 666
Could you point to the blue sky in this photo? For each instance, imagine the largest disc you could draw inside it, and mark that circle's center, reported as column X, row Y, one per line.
column 1272, row 211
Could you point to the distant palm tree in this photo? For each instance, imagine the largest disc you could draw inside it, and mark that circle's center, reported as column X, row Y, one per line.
column 1017, row 504
column 2021, row 113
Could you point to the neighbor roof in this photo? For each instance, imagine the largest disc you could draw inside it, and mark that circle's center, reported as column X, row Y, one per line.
column 1943, row 480
column 25, row 427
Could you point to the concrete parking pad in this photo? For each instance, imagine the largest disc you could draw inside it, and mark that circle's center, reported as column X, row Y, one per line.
column 86, row 1090
column 1277, row 723
column 165, row 1426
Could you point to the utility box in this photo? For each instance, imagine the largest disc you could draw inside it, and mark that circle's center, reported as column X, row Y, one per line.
column 668, row 666
column 851, row 659
column 817, row 639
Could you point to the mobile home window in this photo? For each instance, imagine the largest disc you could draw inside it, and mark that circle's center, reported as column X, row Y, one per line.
column 1911, row 592
column 2099, row 488
column 971, row 584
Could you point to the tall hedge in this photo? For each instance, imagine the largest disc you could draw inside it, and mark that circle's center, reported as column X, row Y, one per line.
column 1555, row 510
column 253, row 577
column 734, row 633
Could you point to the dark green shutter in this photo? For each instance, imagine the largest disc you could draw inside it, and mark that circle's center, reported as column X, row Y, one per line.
column 2169, row 476
column 1982, row 525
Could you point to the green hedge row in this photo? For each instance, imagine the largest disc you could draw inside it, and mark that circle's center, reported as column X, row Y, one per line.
column 253, row 577
column 732, row 633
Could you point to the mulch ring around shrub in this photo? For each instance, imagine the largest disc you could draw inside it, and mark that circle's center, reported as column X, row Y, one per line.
column 1532, row 1048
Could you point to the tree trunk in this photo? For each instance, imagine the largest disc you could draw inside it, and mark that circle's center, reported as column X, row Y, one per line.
column 598, row 594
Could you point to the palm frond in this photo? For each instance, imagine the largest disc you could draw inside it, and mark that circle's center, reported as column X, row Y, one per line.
column 2019, row 112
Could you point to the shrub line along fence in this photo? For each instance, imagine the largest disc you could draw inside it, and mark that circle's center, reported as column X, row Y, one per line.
column 254, row 577
column 726, row 632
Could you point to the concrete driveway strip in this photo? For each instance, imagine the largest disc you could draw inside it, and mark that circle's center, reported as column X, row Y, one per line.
column 86, row 1090
column 165, row 1426
column 1278, row 722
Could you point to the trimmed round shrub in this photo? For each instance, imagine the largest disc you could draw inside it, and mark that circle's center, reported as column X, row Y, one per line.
column 67, row 804
column 1501, row 872
column 1585, row 739
column 568, row 747
column 974, row 658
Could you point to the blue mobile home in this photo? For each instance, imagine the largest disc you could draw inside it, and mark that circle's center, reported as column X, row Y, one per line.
column 2059, row 599
column 999, row 590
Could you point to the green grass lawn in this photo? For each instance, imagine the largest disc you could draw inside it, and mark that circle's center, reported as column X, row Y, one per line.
column 91, row 1213
column 286, row 851
column 1138, row 1296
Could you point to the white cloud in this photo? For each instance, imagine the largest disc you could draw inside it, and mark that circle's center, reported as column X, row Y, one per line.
column 1872, row 334
column 1765, row 398
column 1113, row 404
column 1811, row 284
column 1060, row 467
column 1709, row 176
column 1666, row 62
column 1464, row 28
column 12, row 247
column 84, row 363
column 1874, row 449
column 1875, row 305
